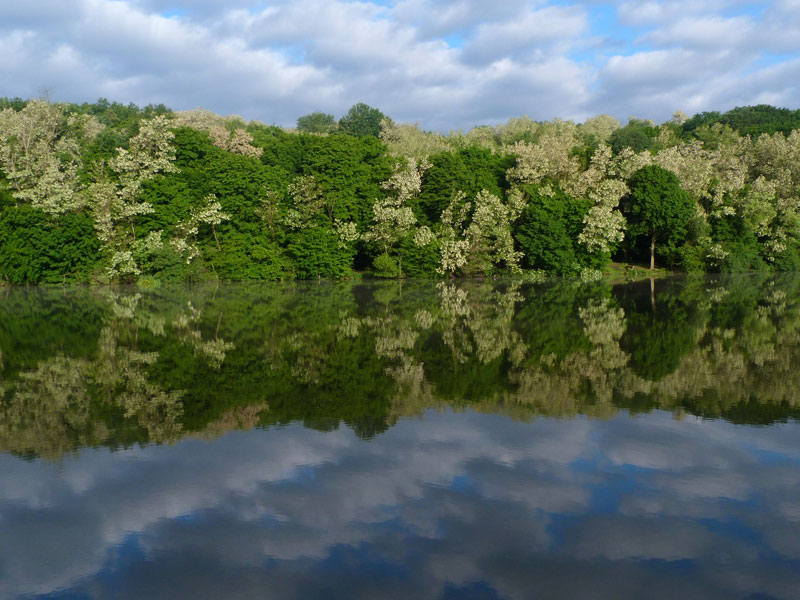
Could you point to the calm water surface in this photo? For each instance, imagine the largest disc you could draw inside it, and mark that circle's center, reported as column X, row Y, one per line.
column 402, row 440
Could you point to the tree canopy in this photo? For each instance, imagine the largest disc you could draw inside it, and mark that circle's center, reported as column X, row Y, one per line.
column 748, row 120
column 657, row 208
column 361, row 121
column 316, row 122
column 108, row 191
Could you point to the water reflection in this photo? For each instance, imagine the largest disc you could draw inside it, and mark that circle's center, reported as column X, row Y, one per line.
column 88, row 367
column 116, row 479
column 452, row 504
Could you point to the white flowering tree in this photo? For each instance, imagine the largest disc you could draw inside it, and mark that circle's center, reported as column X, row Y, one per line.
column 308, row 202
column 452, row 235
column 407, row 140
column 393, row 215
column 482, row 243
column 550, row 160
column 604, row 225
column 114, row 199
column 775, row 161
column 40, row 155
column 228, row 133
column 209, row 212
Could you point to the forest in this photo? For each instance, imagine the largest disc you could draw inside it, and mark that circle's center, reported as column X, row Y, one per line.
column 108, row 192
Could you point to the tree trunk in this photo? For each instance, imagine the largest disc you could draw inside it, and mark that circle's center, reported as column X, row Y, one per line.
column 216, row 239
column 652, row 252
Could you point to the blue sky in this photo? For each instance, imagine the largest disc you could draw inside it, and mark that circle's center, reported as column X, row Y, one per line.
column 447, row 64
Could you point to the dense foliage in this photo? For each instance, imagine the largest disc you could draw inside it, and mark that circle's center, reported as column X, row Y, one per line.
column 657, row 210
column 749, row 120
column 112, row 192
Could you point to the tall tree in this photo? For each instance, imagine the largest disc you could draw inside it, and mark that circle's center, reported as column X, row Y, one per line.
column 361, row 121
column 657, row 208
column 393, row 217
column 316, row 122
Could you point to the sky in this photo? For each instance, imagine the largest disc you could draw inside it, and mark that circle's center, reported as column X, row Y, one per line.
column 446, row 64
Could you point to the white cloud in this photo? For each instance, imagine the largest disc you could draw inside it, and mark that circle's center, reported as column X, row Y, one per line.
column 705, row 32
column 532, row 35
column 654, row 12
column 446, row 63
column 443, row 17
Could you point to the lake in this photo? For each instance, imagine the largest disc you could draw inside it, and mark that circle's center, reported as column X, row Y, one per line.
column 402, row 439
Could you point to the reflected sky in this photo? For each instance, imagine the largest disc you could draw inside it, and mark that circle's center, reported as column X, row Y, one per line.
column 449, row 505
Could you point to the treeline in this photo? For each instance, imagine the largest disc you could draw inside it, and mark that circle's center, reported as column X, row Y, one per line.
column 111, row 192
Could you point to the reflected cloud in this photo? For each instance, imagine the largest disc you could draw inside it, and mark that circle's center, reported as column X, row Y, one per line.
column 449, row 500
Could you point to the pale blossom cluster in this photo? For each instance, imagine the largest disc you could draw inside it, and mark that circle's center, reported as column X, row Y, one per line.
column 408, row 140
column 40, row 155
column 228, row 133
column 548, row 161
column 393, row 215
column 209, row 212
column 347, row 232
column 113, row 198
column 604, row 225
column 477, row 235
column 307, row 202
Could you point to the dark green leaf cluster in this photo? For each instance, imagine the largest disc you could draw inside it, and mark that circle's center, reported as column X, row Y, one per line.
column 316, row 122
column 748, row 120
column 659, row 213
column 361, row 120
column 547, row 233
column 120, row 116
column 12, row 103
column 637, row 135
column 34, row 248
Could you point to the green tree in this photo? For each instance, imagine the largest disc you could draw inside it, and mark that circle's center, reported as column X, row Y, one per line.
column 547, row 232
column 657, row 208
column 316, row 122
column 15, row 103
column 468, row 170
column 748, row 120
column 361, row 121
column 316, row 252
column 349, row 171
column 35, row 250
column 638, row 135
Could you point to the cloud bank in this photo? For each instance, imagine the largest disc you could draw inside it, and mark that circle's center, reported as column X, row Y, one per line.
column 444, row 63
